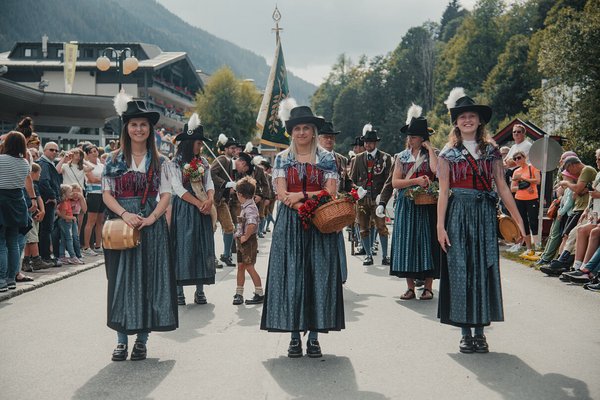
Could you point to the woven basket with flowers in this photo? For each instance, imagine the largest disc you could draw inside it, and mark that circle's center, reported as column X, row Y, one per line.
column 327, row 214
column 423, row 196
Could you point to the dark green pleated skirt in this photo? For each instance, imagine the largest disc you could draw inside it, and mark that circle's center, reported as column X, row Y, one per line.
column 470, row 287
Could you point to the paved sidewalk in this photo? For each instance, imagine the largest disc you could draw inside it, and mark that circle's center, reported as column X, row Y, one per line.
column 50, row 275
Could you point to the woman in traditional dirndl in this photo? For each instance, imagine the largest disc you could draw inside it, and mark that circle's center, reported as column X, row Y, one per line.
column 416, row 253
column 304, row 283
column 470, row 287
column 192, row 236
column 141, row 280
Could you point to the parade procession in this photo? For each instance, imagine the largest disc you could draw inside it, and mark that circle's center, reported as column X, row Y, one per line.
column 408, row 228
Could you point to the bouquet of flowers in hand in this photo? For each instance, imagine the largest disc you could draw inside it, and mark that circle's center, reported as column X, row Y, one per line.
column 194, row 171
column 338, row 210
column 424, row 195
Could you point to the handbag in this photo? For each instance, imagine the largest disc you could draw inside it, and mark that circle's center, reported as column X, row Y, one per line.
column 524, row 184
column 117, row 234
column 553, row 209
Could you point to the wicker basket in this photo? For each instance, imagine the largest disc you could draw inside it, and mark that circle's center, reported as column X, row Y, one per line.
column 424, row 199
column 334, row 216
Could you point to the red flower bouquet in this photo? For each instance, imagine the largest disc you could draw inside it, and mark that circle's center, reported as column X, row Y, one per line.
column 328, row 214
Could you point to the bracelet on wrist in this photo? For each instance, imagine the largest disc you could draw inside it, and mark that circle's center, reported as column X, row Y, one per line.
column 121, row 215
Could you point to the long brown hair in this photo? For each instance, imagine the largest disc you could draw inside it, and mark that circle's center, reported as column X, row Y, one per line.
column 481, row 137
column 81, row 157
column 25, row 126
column 14, row 145
column 125, row 148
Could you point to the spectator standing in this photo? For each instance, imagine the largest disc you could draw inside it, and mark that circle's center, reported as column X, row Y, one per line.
column 14, row 219
column 50, row 181
column 95, row 216
column 524, row 185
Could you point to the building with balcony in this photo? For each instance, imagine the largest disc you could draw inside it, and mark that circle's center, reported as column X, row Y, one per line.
column 167, row 81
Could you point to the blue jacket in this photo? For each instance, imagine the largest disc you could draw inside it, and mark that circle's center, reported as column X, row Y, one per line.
column 50, row 180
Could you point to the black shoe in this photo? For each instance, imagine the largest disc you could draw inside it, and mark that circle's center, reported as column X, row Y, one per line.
column 26, row 264
column 260, row 235
column 120, row 352
column 580, row 277
column 139, row 352
column 368, row 260
column 385, row 261
column 553, row 270
column 419, row 282
column 480, row 344
column 267, row 229
column 361, row 252
column 466, row 344
column 218, row 265
column 313, row 348
column 199, row 298
column 180, row 300
column 53, row 262
column 227, row 260
column 295, row 348
column 238, row 299
column 564, row 277
column 257, row 299
column 594, row 287
column 374, row 252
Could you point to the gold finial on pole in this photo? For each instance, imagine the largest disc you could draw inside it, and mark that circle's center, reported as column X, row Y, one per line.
column 276, row 17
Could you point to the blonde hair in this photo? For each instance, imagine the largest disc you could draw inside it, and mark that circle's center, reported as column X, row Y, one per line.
column 76, row 187
column 314, row 145
column 35, row 167
column 64, row 190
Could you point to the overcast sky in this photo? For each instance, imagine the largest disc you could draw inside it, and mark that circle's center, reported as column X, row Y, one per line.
column 315, row 31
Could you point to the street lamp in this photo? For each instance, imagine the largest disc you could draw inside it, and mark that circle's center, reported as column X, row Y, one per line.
column 126, row 62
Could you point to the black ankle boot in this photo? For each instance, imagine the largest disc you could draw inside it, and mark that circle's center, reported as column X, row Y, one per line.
column 480, row 344
column 313, row 348
column 466, row 344
column 295, row 349
column 120, row 352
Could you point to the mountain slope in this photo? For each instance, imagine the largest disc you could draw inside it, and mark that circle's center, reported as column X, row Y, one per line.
column 132, row 20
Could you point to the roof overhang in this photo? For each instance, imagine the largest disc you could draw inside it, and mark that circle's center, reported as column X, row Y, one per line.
column 48, row 108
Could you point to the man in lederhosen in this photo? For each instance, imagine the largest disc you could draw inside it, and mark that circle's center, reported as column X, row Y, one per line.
column 221, row 171
column 369, row 171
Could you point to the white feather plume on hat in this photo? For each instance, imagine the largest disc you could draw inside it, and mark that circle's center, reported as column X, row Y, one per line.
column 257, row 160
column 194, row 122
column 248, row 147
column 351, row 154
column 413, row 112
column 285, row 108
column 367, row 128
column 453, row 97
column 120, row 102
column 222, row 139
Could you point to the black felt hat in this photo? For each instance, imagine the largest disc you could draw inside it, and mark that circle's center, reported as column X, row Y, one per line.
column 458, row 102
column 416, row 125
column 358, row 141
column 137, row 109
column 369, row 134
column 193, row 130
column 327, row 129
column 303, row 115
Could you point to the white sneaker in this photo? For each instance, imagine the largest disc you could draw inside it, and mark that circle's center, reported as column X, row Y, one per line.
column 88, row 252
column 515, row 248
column 75, row 260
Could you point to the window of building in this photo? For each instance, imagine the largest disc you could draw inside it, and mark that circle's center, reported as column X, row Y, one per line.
column 88, row 53
column 59, row 53
column 30, row 52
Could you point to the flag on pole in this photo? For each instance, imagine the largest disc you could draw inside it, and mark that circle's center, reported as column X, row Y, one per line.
column 272, row 129
column 70, row 63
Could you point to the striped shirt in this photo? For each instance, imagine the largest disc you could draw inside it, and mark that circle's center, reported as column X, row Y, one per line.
column 13, row 171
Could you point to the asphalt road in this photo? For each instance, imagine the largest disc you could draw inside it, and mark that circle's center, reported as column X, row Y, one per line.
column 54, row 344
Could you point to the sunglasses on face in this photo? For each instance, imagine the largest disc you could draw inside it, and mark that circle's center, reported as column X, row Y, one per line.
column 53, row 150
column 517, row 158
column 517, row 131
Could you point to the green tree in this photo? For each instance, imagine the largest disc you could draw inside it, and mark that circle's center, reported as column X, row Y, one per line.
column 451, row 19
column 568, row 56
column 229, row 106
column 472, row 53
column 510, row 81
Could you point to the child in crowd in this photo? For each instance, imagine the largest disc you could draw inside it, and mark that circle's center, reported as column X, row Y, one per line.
column 32, row 260
column 79, row 208
column 66, row 223
column 247, row 242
